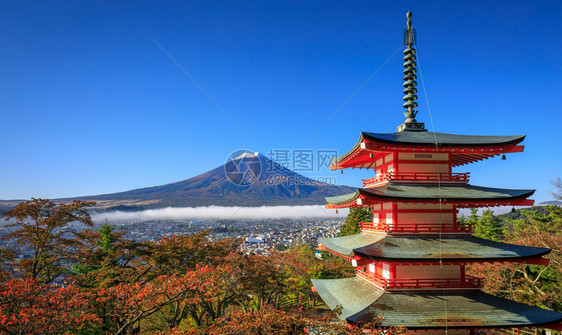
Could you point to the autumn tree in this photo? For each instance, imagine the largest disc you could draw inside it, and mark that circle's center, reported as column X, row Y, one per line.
column 126, row 306
column 125, row 269
column 180, row 253
column 542, row 230
column 194, row 299
column 43, row 226
column 256, row 281
column 301, row 265
column 356, row 215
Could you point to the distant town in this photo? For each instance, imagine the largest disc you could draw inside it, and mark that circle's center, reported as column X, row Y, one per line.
column 259, row 237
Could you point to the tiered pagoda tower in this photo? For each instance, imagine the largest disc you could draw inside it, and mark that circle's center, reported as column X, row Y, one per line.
column 410, row 260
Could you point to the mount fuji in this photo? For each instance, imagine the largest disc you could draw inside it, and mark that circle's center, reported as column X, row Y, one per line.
column 249, row 179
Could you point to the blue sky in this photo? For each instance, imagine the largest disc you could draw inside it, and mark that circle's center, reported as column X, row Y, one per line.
column 90, row 104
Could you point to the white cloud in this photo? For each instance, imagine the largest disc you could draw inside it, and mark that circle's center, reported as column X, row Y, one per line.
column 219, row 212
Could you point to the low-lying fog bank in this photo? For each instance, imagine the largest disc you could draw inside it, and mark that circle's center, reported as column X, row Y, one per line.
column 219, row 212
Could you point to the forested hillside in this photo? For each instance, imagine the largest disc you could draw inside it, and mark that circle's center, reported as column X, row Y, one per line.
column 85, row 281
column 81, row 281
column 537, row 285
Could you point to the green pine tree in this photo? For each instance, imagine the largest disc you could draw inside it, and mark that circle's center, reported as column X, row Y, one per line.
column 488, row 226
column 108, row 238
column 473, row 218
column 356, row 214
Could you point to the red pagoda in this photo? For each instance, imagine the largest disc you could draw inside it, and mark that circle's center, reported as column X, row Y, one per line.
column 410, row 260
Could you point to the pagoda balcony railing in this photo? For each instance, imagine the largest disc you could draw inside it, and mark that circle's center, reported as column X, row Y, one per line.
column 416, row 227
column 468, row 282
column 426, row 177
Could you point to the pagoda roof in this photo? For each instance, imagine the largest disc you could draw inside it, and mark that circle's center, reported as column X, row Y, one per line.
column 428, row 310
column 476, row 147
column 428, row 138
column 353, row 294
column 462, row 193
column 427, row 248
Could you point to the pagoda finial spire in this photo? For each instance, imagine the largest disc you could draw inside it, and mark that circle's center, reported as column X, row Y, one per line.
column 409, row 36
column 410, row 77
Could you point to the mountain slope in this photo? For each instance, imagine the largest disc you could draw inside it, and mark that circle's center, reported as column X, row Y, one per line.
column 248, row 180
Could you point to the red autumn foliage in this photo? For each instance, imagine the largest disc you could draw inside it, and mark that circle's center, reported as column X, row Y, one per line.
column 269, row 320
column 28, row 307
column 127, row 305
